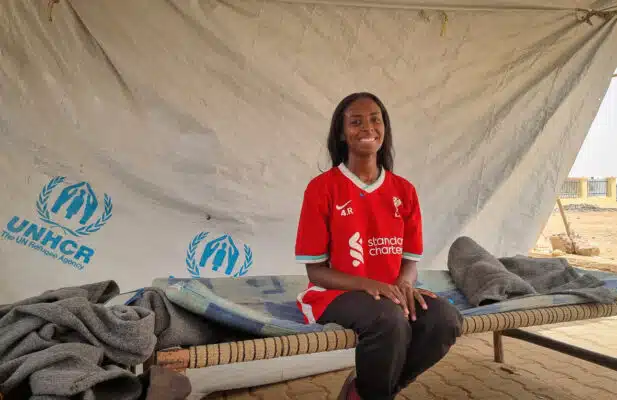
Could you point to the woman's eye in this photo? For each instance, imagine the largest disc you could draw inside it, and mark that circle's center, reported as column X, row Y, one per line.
column 377, row 120
column 355, row 122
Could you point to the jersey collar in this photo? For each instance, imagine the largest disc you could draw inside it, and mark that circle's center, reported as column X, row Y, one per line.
column 359, row 183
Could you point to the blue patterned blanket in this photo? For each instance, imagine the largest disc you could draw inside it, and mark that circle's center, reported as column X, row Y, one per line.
column 266, row 305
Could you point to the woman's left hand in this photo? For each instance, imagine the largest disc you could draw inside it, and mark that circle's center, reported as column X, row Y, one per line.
column 412, row 294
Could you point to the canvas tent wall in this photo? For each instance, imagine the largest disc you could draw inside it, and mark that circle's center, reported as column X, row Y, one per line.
column 141, row 139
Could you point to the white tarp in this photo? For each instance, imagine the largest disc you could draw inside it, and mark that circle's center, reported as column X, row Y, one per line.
column 136, row 134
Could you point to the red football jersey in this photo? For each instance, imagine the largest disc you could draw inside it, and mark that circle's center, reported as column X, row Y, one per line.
column 360, row 229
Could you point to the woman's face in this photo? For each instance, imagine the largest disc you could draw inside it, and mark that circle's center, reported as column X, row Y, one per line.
column 363, row 127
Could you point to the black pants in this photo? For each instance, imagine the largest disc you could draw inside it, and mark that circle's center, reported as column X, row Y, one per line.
column 392, row 350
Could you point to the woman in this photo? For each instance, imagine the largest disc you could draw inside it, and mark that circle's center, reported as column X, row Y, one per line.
column 360, row 236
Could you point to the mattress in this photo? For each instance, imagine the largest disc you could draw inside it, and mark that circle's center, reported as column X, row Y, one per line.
column 266, row 305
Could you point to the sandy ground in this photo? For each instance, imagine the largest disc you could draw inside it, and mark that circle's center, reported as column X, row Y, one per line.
column 598, row 226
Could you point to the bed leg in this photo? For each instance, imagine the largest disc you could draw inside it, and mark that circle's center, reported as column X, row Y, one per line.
column 498, row 346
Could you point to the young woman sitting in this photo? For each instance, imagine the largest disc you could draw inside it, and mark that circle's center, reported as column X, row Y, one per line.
column 360, row 236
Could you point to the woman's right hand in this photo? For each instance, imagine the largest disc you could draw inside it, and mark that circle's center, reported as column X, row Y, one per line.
column 392, row 292
column 329, row 278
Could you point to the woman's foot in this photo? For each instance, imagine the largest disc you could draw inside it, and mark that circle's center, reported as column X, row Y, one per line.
column 348, row 391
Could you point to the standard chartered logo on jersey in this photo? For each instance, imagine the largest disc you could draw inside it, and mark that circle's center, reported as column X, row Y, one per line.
column 385, row 245
column 377, row 246
column 67, row 213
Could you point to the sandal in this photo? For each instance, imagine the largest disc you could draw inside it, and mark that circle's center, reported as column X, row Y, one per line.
column 347, row 385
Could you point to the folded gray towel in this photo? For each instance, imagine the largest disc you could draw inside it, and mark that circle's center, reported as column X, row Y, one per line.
column 483, row 278
column 480, row 276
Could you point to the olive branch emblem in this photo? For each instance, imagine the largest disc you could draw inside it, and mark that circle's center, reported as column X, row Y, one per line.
column 43, row 211
column 193, row 268
column 248, row 261
column 191, row 264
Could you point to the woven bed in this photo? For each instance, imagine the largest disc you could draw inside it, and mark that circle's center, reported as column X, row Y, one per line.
column 308, row 343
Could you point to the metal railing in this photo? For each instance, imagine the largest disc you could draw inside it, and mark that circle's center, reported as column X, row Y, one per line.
column 570, row 189
column 597, row 187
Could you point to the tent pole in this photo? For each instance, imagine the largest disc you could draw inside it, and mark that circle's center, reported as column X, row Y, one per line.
column 563, row 217
column 565, row 223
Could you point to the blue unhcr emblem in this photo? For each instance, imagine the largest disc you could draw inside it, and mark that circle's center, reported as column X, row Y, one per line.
column 76, row 202
column 220, row 254
column 69, row 208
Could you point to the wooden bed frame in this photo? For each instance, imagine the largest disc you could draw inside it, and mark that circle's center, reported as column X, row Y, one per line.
column 501, row 324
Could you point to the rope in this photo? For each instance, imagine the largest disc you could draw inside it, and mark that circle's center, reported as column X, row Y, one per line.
column 424, row 16
column 444, row 23
column 401, row 4
column 605, row 14
column 444, row 20
column 609, row 9
column 50, row 6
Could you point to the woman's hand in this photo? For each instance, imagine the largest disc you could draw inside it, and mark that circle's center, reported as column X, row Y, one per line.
column 330, row 278
column 392, row 292
column 411, row 295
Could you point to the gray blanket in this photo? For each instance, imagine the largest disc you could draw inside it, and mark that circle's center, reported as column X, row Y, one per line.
column 66, row 343
column 175, row 326
column 484, row 279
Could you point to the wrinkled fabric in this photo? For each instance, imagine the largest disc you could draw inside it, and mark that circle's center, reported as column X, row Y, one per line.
column 175, row 326
column 65, row 343
column 485, row 279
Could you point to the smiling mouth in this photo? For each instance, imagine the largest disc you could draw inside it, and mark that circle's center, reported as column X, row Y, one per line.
column 368, row 140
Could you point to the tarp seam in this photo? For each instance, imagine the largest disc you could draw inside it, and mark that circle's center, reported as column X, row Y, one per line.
column 444, row 7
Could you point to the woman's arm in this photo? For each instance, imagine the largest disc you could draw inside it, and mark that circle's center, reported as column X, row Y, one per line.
column 322, row 275
column 329, row 278
column 409, row 272
column 406, row 282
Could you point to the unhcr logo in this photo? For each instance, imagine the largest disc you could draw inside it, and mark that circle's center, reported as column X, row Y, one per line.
column 219, row 254
column 67, row 213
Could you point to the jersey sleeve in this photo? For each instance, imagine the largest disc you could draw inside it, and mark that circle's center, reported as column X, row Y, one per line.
column 413, row 245
column 313, row 236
